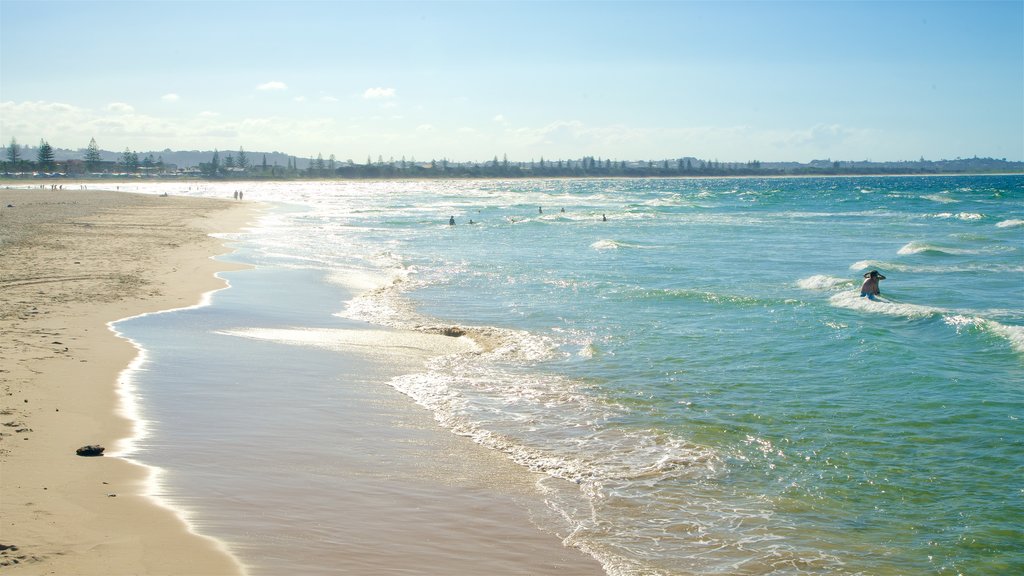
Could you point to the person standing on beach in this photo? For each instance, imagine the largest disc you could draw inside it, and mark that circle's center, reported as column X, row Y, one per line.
column 870, row 286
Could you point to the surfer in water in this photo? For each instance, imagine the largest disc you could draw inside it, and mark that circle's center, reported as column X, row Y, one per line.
column 451, row 221
column 870, row 286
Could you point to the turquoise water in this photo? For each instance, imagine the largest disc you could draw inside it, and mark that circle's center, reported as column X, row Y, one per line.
column 700, row 366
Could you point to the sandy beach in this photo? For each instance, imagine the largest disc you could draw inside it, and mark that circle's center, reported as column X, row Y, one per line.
column 70, row 262
column 404, row 494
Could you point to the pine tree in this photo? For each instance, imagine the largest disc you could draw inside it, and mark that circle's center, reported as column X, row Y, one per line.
column 13, row 153
column 243, row 160
column 92, row 156
column 45, row 156
column 130, row 160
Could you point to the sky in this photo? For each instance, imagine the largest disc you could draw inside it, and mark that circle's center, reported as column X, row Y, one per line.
column 469, row 81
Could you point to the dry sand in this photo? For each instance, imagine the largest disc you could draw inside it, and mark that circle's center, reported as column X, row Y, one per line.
column 70, row 262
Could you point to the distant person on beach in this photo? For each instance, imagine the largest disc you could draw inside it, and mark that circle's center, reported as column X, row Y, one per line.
column 870, row 286
column 451, row 221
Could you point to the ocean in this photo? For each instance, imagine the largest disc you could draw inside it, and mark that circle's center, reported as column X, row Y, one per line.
column 683, row 368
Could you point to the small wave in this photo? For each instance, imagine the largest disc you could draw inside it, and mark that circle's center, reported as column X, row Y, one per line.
column 527, row 419
column 1010, row 223
column 924, row 269
column 854, row 301
column 940, row 198
column 605, row 245
column 960, row 215
column 925, row 248
column 915, row 248
column 615, row 244
column 822, row 282
column 865, row 264
column 1013, row 334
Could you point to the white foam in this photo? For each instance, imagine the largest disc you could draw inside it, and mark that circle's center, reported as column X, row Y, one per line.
column 1013, row 334
column 960, row 215
column 940, row 198
column 358, row 280
column 615, row 244
column 373, row 342
column 854, row 301
column 822, row 282
column 1013, row 223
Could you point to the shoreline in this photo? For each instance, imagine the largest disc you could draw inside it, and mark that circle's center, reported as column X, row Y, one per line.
column 75, row 262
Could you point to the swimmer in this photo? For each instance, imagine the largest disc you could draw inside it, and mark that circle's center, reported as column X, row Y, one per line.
column 451, row 221
column 870, row 286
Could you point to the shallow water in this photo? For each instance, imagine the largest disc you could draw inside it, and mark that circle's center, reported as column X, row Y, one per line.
column 696, row 377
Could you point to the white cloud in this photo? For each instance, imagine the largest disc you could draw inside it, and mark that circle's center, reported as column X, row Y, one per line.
column 120, row 108
column 118, row 125
column 500, row 118
column 273, row 85
column 328, row 99
column 170, row 97
column 379, row 93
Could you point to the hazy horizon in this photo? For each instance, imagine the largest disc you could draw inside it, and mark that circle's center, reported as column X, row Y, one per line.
column 468, row 81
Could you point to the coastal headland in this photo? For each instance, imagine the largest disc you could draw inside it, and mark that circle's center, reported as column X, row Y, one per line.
column 71, row 261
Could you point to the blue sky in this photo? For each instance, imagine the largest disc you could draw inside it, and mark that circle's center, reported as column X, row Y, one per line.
column 732, row 81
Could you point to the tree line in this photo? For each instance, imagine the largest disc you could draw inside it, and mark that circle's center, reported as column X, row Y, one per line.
column 245, row 165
